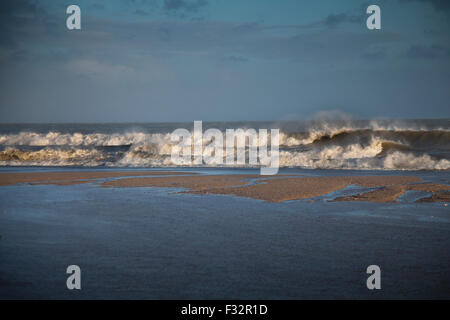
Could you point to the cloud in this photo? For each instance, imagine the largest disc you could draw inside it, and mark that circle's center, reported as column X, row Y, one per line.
column 428, row 52
column 98, row 6
column 438, row 5
column 186, row 5
column 92, row 68
column 375, row 55
column 234, row 59
column 119, row 42
column 141, row 12
column 334, row 20
column 14, row 16
column 15, row 7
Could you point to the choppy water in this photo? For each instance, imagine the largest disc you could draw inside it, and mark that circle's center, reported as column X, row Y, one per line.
column 340, row 144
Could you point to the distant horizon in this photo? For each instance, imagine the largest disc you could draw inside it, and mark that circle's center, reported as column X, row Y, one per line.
column 231, row 121
column 254, row 150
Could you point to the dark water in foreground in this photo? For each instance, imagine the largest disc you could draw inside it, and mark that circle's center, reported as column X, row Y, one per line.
column 150, row 243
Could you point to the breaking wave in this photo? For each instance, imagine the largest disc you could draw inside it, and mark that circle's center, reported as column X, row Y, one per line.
column 372, row 146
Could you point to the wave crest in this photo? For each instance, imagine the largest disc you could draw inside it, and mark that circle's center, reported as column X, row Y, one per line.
column 326, row 146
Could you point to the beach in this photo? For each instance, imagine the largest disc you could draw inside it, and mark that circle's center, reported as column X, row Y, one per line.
column 109, row 199
column 277, row 188
column 238, row 151
column 223, row 233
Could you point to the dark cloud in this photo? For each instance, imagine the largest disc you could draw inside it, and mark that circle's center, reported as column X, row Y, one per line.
column 223, row 39
column 121, row 40
column 428, row 52
column 14, row 7
column 142, row 7
column 141, row 12
column 234, row 59
column 334, row 20
column 141, row 2
column 16, row 13
column 98, row 6
column 16, row 17
column 375, row 55
column 176, row 5
column 439, row 5
column 19, row 55
column 142, row 62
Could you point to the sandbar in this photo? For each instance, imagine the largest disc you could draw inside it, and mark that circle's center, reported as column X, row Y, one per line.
column 73, row 177
column 279, row 188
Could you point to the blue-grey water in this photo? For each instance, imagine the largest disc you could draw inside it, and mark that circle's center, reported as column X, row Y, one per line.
column 153, row 243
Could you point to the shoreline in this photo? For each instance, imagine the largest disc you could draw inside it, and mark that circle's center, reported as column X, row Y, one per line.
column 72, row 177
column 279, row 188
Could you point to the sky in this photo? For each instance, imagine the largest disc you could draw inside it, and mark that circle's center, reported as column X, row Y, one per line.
column 222, row 60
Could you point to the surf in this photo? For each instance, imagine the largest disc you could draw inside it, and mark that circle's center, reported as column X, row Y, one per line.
column 364, row 145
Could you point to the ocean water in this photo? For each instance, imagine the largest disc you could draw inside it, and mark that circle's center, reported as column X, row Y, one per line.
column 321, row 144
column 155, row 243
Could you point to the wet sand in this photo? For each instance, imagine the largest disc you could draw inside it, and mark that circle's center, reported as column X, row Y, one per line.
column 71, row 178
column 441, row 196
column 274, row 189
column 155, row 243
column 206, row 182
column 283, row 188
column 391, row 193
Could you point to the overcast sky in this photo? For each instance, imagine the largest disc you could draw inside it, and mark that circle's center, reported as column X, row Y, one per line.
column 222, row 60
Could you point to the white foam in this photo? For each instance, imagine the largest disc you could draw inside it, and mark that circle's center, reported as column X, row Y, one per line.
column 154, row 150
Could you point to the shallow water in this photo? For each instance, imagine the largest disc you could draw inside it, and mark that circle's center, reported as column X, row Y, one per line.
column 154, row 243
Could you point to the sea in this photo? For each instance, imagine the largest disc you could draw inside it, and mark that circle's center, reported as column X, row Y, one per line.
column 316, row 144
column 161, row 243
